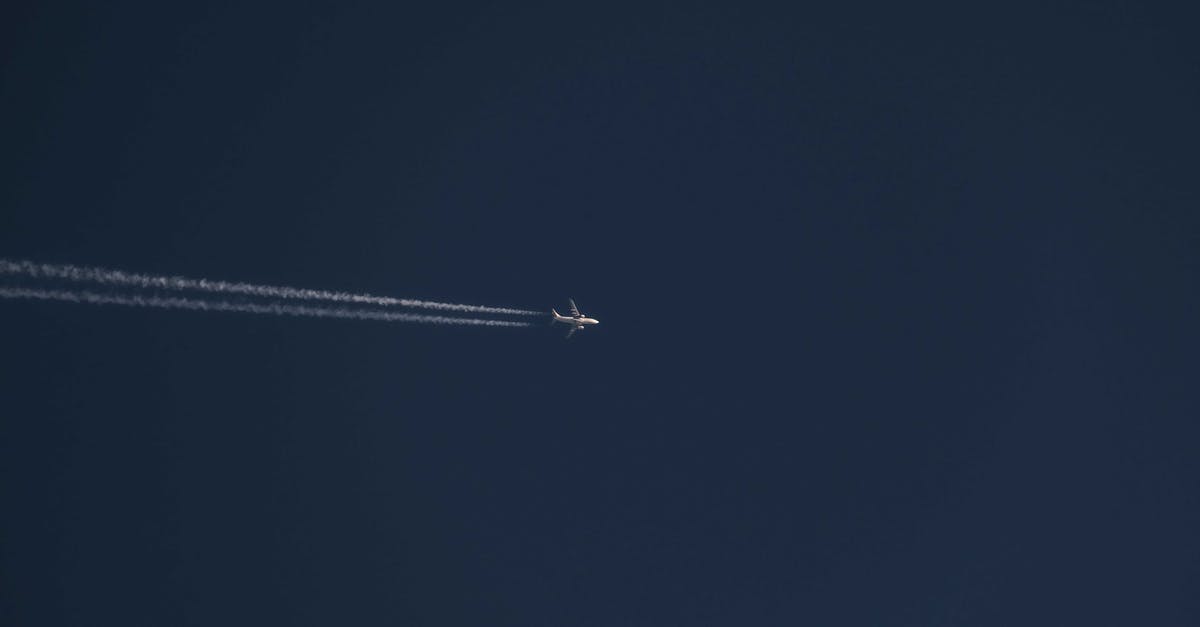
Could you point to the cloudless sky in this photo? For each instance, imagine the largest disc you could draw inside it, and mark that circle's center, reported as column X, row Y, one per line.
column 898, row 315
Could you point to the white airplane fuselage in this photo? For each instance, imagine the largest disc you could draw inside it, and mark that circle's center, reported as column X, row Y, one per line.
column 576, row 322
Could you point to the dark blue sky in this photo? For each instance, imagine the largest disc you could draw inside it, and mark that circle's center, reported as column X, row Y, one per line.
column 898, row 305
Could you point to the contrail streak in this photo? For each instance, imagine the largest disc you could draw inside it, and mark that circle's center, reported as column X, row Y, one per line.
column 117, row 277
column 269, row 309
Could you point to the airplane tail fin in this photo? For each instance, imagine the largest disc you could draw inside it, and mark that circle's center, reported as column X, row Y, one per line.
column 553, row 316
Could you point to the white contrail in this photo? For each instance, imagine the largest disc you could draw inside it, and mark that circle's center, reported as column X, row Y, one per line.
column 94, row 298
column 117, row 277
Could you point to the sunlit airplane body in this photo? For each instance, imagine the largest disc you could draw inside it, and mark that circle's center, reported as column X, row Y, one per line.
column 576, row 319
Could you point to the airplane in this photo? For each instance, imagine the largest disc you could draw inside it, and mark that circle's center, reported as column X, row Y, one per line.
column 576, row 319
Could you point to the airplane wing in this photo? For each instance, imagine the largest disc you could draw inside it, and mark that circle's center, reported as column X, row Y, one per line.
column 571, row 332
column 574, row 309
